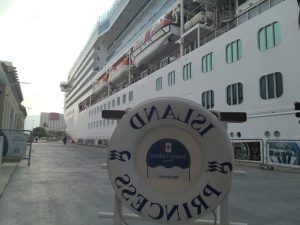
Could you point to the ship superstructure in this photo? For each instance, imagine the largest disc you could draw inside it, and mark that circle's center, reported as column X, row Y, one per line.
column 226, row 55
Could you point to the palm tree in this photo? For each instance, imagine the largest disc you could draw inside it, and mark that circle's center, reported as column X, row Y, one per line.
column 45, row 125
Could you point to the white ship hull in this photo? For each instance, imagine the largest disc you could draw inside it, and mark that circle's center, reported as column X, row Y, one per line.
column 272, row 119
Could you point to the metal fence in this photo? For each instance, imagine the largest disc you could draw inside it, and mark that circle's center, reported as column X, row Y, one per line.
column 16, row 144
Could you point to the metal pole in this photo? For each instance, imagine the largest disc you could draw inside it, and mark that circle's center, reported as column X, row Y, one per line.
column 117, row 211
column 181, row 27
column 223, row 212
column 129, row 68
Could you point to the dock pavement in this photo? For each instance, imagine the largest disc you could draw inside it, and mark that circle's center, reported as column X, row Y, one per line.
column 66, row 185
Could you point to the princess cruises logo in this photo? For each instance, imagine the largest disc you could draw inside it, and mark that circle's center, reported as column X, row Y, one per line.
column 168, row 159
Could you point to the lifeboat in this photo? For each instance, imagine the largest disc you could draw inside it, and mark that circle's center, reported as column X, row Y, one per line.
column 156, row 43
column 203, row 17
column 119, row 71
column 100, row 84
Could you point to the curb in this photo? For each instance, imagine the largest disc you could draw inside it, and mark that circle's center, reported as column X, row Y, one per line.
column 6, row 172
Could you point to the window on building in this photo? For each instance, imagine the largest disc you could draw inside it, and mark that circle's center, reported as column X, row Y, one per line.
column 130, row 95
column 187, row 71
column 118, row 101
column 159, row 83
column 271, row 86
column 124, row 99
column 269, row 36
column 171, row 78
column 208, row 99
column 207, row 63
column 113, row 103
column 234, row 94
column 234, row 51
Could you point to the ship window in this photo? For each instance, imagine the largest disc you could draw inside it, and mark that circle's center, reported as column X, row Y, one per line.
column 269, row 36
column 171, row 78
column 207, row 62
column 108, row 105
column 130, row 95
column 108, row 121
column 104, row 122
column 252, row 12
column 243, row 18
column 274, row 2
column 159, row 83
column 94, row 111
column 104, row 106
column 271, row 86
column 98, row 110
column 89, row 125
column 124, row 99
column 234, row 94
column 263, row 6
column 100, row 123
column 97, row 123
column 234, row 51
column 112, row 122
column 187, row 71
column 208, row 99
column 118, row 101
column 113, row 103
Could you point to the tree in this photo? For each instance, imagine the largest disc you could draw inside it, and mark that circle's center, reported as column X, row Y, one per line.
column 39, row 132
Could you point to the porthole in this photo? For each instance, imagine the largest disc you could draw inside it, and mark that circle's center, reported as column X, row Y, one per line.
column 238, row 134
column 231, row 134
column 267, row 134
column 277, row 133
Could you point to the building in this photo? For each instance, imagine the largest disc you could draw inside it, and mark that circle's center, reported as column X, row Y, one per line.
column 52, row 121
column 12, row 113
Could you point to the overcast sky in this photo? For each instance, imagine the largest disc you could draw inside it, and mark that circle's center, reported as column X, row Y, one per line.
column 43, row 38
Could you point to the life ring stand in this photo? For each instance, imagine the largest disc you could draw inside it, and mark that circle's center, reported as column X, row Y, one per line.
column 170, row 160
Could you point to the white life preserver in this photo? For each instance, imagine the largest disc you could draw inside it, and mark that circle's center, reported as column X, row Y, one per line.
column 170, row 160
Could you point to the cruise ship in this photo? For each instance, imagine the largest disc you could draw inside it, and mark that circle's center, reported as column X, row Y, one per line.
column 226, row 55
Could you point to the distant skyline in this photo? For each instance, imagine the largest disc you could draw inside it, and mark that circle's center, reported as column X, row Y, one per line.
column 43, row 39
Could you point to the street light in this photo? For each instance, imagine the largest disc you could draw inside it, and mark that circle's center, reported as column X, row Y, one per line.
column 18, row 83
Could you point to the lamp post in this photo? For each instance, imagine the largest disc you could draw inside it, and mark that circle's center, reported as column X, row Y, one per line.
column 32, row 125
column 16, row 83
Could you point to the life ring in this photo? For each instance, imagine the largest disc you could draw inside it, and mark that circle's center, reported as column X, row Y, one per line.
column 170, row 160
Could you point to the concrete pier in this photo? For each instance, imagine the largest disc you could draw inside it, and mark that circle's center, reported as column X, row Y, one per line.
column 67, row 185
